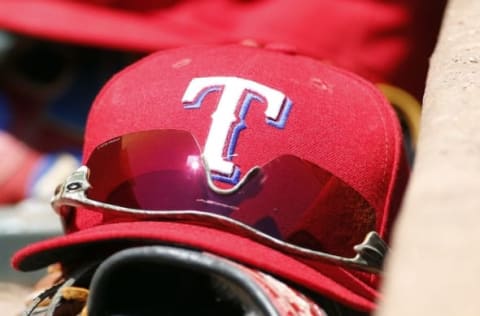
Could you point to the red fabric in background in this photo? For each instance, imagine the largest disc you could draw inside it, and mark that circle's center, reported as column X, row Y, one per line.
column 384, row 41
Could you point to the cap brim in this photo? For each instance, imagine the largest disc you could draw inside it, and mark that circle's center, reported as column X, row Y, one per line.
column 332, row 281
column 92, row 25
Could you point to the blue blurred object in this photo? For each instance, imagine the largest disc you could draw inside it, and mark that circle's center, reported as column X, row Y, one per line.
column 55, row 82
column 5, row 115
column 70, row 107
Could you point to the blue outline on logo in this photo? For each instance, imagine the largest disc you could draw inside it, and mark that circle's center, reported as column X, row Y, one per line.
column 280, row 123
column 245, row 107
column 234, row 178
column 197, row 102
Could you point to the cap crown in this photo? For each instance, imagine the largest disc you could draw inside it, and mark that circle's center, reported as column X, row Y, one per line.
column 247, row 106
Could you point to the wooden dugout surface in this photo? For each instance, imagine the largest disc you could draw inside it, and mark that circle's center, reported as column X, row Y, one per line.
column 434, row 265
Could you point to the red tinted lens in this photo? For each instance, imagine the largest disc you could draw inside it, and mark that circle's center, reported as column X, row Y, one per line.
column 148, row 170
column 290, row 198
column 303, row 204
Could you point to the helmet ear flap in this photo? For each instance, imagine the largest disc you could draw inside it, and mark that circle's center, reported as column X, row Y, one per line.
column 178, row 281
column 175, row 281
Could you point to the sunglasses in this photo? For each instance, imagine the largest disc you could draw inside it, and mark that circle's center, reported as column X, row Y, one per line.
column 288, row 204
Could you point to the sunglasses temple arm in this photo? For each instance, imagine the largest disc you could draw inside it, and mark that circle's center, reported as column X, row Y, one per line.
column 369, row 257
column 372, row 251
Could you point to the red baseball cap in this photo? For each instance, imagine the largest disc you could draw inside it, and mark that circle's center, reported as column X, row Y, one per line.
column 307, row 153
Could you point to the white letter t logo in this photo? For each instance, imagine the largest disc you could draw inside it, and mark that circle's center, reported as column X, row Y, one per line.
column 278, row 107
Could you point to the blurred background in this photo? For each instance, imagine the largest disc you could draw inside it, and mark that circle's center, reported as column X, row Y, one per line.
column 55, row 55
